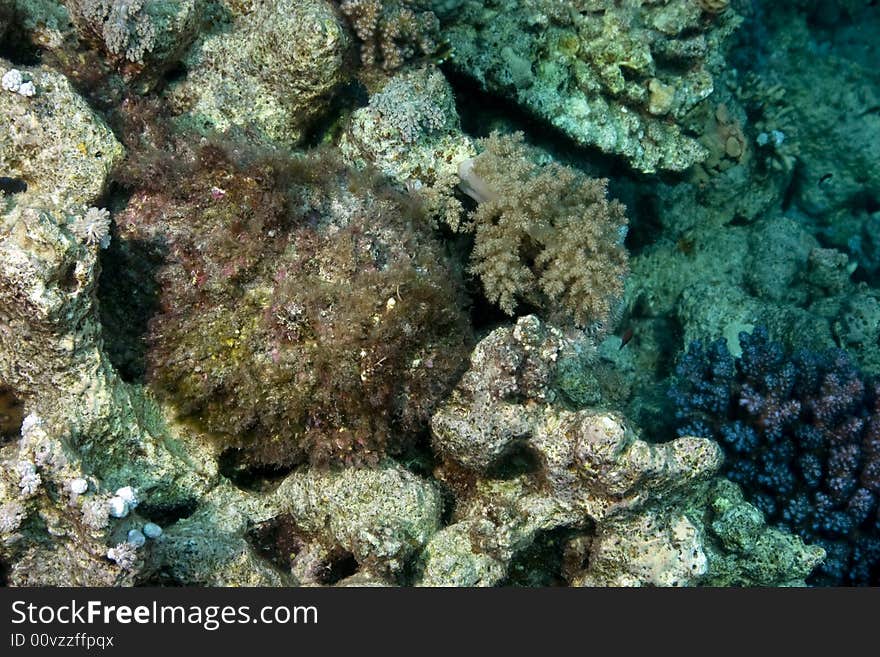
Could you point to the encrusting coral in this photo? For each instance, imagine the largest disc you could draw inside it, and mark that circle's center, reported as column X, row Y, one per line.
column 81, row 431
column 620, row 76
column 55, row 125
column 546, row 234
column 130, row 29
column 411, row 132
column 141, row 39
column 270, row 76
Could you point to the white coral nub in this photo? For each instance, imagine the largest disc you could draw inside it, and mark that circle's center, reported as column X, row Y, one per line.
column 123, row 500
column 14, row 81
column 29, row 423
column 78, row 486
column 128, row 494
column 30, row 480
column 117, row 506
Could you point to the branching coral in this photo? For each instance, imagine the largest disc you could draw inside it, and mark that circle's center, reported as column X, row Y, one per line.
column 391, row 31
column 132, row 32
column 125, row 26
column 545, row 234
column 802, row 436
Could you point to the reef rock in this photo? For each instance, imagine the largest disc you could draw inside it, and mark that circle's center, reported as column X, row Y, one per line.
column 522, row 465
column 617, row 76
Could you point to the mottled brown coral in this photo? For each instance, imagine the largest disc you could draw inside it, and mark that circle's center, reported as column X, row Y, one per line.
column 713, row 6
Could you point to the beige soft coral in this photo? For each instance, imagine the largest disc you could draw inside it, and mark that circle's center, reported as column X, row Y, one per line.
column 544, row 234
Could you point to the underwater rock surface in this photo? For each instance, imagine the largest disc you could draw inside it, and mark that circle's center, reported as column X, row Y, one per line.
column 617, row 76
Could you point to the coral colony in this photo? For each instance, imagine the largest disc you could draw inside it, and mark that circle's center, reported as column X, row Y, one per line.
column 439, row 293
column 802, row 437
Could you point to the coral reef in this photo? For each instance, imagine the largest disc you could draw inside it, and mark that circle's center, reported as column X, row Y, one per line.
column 314, row 528
column 132, row 31
column 210, row 546
column 53, row 143
column 271, row 74
column 83, row 432
column 522, row 465
column 801, row 437
column 410, row 131
column 381, row 517
column 343, row 292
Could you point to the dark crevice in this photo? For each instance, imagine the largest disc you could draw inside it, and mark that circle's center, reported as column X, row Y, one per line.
column 645, row 226
column 68, row 281
column 177, row 73
column 232, row 464
column 128, row 296
column 166, row 514
column 15, row 42
column 519, row 459
column 337, row 568
column 865, row 202
column 482, row 112
column 791, row 191
column 12, row 185
column 11, row 414
column 277, row 540
column 280, row 540
column 544, row 562
column 161, row 578
column 418, row 457
column 345, row 100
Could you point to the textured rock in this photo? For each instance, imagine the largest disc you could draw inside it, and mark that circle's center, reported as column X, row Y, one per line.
column 82, row 422
column 382, row 516
column 54, row 143
column 410, row 131
column 638, row 509
column 209, row 548
column 618, row 76
column 272, row 72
